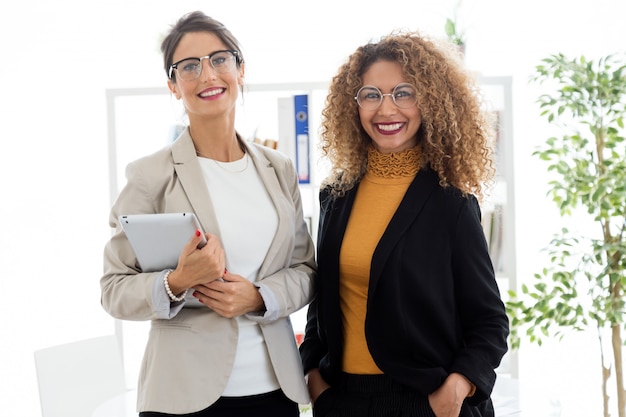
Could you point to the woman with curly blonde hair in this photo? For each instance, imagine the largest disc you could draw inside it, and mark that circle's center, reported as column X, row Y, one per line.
column 407, row 318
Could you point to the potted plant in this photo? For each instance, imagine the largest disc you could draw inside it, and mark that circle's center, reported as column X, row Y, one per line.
column 584, row 284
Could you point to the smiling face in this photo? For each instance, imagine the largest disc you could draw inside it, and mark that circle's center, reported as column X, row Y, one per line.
column 212, row 94
column 392, row 129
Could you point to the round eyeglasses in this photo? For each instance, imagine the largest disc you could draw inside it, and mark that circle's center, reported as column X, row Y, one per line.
column 370, row 98
column 189, row 69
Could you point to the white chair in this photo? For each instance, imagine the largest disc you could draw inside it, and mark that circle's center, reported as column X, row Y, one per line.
column 75, row 378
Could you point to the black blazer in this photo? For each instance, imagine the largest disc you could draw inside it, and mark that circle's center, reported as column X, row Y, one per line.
column 433, row 305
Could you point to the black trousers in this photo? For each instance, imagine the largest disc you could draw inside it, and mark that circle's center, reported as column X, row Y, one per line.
column 371, row 396
column 272, row 404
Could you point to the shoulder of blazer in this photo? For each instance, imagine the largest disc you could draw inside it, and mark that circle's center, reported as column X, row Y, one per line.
column 278, row 159
column 335, row 210
column 178, row 152
column 326, row 198
column 280, row 164
column 329, row 202
column 427, row 181
column 175, row 163
column 449, row 199
column 153, row 164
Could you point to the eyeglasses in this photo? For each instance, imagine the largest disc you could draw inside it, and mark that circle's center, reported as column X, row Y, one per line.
column 370, row 98
column 189, row 69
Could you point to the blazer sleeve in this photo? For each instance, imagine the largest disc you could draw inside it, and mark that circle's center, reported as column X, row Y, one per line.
column 313, row 348
column 126, row 292
column 485, row 326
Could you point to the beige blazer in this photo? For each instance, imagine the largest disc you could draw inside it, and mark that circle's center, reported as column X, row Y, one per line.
column 189, row 357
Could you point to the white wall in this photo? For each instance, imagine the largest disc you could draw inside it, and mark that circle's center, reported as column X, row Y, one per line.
column 58, row 57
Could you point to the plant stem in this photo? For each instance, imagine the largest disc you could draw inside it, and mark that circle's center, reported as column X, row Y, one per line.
column 616, row 339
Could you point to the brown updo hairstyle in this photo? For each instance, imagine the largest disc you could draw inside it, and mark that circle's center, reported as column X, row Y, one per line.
column 196, row 22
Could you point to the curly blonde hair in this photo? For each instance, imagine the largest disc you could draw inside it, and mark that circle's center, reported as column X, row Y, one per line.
column 455, row 134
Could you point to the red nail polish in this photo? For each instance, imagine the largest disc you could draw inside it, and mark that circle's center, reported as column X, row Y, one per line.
column 198, row 233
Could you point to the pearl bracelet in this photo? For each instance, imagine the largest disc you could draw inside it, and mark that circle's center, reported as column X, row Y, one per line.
column 169, row 291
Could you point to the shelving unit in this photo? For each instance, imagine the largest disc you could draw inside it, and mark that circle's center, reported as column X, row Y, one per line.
column 499, row 208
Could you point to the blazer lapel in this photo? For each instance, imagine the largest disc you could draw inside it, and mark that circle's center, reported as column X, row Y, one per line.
column 192, row 180
column 269, row 177
column 414, row 200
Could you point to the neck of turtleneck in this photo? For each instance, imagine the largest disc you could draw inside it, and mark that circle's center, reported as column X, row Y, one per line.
column 395, row 164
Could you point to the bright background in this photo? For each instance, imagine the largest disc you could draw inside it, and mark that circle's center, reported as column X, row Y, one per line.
column 58, row 58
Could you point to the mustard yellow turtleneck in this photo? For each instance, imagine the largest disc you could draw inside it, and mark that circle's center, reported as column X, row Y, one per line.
column 382, row 188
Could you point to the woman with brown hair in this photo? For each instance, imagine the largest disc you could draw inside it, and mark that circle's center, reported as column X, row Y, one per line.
column 221, row 341
column 408, row 319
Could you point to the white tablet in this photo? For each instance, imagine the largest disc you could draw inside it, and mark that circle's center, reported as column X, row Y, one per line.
column 158, row 239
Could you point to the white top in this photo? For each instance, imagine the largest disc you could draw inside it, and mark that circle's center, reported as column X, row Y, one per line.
column 248, row 224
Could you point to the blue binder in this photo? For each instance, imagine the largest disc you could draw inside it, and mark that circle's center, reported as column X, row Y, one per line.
column 301, row 110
